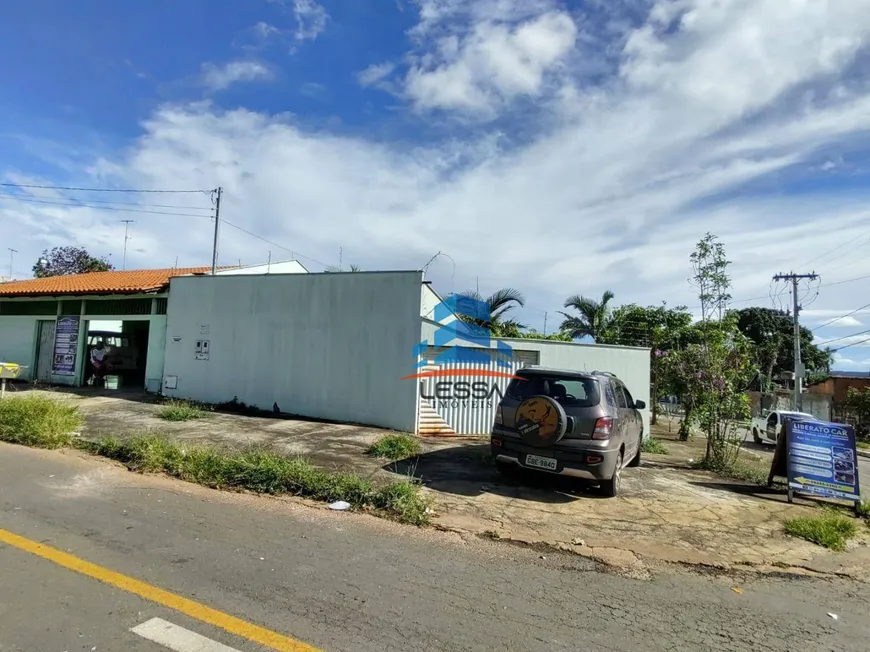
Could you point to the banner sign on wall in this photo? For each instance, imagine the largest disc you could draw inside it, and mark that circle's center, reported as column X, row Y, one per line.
column 66, row 344
column 822, row 460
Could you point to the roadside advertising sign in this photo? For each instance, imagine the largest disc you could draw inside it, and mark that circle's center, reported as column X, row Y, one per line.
column 821, row 459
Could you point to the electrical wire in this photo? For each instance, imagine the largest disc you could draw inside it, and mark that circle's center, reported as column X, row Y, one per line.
column 848, row 314
column 846, row 346
column 272, row 242
column 131, row 190
column 103, row 201
column 102, row 208
column 844, row 337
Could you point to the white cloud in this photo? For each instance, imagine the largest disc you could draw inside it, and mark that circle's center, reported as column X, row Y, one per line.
column 310, row 19
column 492, row 63
column 610, row 187
column 375, row 73
column 219, row 77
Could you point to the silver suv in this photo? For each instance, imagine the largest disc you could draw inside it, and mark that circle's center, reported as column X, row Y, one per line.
column 579, row 424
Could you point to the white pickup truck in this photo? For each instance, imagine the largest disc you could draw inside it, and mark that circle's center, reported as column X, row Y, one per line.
column 767, row 427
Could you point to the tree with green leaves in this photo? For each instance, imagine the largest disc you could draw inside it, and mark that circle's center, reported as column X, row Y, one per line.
column 772, row 333
column 713, row 373
column 64, row 261
column 658, row 327
column 499, row 304
column 592, row 319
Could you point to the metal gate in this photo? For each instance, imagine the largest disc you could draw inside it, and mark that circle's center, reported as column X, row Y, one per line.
column 464, row 403
column 45, row 352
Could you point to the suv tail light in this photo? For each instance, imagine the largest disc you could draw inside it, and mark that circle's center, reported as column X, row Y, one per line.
column 498, row 416
column 603, row 428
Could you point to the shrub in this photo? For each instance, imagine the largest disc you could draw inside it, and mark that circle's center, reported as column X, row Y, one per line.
column 38, row 421
column 653, row 446
column 179, row 410
column 831, row 530
column 395, row 447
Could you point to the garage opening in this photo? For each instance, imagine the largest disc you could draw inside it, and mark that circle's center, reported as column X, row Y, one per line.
column 125, row 343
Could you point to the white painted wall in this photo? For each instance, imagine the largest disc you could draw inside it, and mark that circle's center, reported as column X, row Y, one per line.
column 18, row 342
column 631, row 364
column 332, row 346
column 286, row 267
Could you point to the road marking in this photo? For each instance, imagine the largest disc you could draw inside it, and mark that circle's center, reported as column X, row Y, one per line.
column 177, row 638
column 144, row 590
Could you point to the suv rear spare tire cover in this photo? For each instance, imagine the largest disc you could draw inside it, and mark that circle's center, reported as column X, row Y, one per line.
column 541, row 421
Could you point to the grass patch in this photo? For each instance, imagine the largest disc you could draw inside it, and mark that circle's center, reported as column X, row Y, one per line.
column 180, row 410
column 653, row 446
column 831, row 530
column 863, row 509
column 864, row 445
column 738, row 471
column 395, row 447
column 263, row 471
column 38, row 421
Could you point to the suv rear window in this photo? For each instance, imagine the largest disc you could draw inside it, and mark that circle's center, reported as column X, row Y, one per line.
column 570, row 392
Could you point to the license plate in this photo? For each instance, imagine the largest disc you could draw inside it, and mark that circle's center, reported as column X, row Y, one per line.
column 539, row 462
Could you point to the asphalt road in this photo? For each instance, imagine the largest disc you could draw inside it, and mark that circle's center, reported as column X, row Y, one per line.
column 145, row 548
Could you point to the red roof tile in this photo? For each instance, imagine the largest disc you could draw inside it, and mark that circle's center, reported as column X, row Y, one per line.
column 126, row 282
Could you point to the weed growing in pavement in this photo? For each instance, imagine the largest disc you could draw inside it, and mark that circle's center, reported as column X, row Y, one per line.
column 180, row 410
column 831, row 530
column 863, row 510
column 653, row 446
column 264, row 471
column 395, row 447
column 38, row 421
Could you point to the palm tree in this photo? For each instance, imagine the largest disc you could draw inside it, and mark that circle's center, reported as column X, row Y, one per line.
column 593, row 319
column 499, row 303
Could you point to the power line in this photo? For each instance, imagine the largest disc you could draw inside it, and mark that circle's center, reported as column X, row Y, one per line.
column 844, row 337
column 846, row 346
column 131, row 190
column 101, row 208
column 848, row 314
column 118, row 203
column 272, row 242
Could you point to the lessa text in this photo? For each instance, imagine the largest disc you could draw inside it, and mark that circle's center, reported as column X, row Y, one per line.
column 448, row 390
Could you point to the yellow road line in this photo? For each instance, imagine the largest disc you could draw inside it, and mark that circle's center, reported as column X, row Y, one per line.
column 190, row 608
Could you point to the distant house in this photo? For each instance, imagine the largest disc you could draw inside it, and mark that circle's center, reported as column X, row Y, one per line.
column 838, row 383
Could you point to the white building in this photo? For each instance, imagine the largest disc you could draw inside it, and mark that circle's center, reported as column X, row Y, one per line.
column 336, row 346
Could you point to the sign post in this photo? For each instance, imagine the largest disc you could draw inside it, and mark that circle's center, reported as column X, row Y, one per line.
column 66, row 342
column 820, row 460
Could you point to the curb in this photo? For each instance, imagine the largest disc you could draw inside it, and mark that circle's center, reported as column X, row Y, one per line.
column 863, row 453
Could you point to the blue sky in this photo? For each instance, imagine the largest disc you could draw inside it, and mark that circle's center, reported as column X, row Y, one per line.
column 556, row 146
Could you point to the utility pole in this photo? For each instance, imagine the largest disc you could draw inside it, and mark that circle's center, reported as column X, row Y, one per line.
column 217, row 222
column 126, row 237
column 12, row 253
column 545, row 323
column 798, row 365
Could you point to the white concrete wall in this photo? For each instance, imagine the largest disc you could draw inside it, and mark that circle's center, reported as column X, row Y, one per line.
column 631, row 364
column 286, row 267
column 18, row 342
column 332, row 346
column 156, row 348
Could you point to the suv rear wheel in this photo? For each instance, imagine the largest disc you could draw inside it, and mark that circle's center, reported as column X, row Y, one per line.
column 755, row 436
column 635, row 461
column 610, row 488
